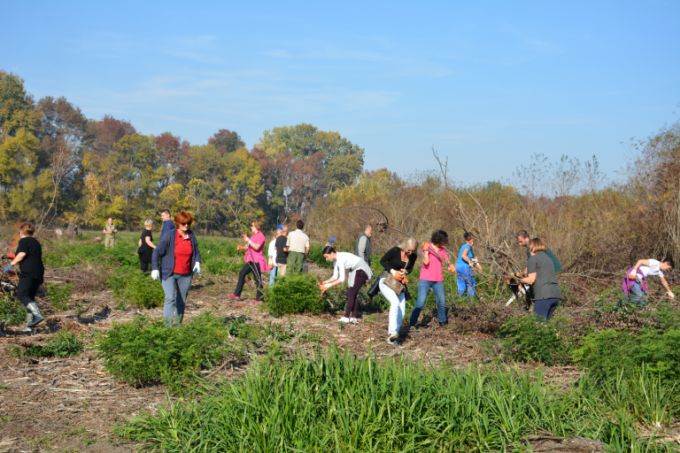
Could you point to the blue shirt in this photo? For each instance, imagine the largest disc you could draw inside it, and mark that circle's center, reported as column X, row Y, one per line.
column 470, row 255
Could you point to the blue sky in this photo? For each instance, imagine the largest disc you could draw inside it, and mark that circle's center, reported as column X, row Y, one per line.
column 487, row 84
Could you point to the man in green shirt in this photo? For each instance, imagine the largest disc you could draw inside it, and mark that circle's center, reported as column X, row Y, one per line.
column 523, row 240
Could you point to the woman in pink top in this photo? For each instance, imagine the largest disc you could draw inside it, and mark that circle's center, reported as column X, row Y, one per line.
column 255, row 261
column 435, row 257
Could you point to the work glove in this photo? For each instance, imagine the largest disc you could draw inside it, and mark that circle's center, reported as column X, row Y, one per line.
column 197, row 267
column 155, row 275
column 8, row 268
column 670, row 295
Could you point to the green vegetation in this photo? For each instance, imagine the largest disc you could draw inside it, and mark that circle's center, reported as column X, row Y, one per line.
column 59, row 294
column 607, row 353
column 12, row 312
column 342, row 403
column 144, row 352
column 63, row 344
column 525, row 338
column 295, row 294
column 131, row 286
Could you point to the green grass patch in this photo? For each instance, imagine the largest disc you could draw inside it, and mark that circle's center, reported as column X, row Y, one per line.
column 338, row 402
column 59, row 294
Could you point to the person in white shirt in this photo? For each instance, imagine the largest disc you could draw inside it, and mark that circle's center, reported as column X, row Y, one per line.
column 355, row 270
column 635, row 285
column 298, row 248
column 271, row 256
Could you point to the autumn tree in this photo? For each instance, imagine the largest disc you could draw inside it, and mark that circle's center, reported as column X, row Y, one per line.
column 226, row 141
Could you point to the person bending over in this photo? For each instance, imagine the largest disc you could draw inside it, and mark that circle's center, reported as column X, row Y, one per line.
column 359, row 273
column 635, row 283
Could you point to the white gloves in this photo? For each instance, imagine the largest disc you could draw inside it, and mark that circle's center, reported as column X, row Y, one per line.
column 155, row 275
column 670, row 295
column 197, row 267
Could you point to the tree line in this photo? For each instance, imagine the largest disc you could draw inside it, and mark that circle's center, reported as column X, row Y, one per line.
column 57, row 166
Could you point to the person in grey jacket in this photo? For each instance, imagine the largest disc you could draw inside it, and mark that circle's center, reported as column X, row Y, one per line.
column 175, row 259
column 363, row 247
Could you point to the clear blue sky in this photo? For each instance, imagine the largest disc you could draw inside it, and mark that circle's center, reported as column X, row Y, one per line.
column 486, row 83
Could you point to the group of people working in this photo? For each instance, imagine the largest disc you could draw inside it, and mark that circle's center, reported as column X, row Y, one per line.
column 176, row 258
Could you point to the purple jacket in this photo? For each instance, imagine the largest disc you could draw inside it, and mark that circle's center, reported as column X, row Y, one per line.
column 627, row 283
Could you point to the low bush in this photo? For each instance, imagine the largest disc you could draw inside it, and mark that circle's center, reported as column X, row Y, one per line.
column 12, row 312
column 338, row 402
column 527, row 338
column 609, row 352
column 142, row 352
column 59, row 294
column 132, row 286
column 63, row 344
column 295, row 294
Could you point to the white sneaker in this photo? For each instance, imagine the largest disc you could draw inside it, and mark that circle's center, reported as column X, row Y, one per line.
column 393, row 339
column 353, row 321
column 344, row 320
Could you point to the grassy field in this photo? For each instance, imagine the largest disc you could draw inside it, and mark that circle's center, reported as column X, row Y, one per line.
column 285, row 376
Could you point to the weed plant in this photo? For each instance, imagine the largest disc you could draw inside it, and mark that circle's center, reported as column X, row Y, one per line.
column 337, row 402
column 527, row 338
column 295, row 294
column 12, row 312
column 609, row 352
column 142, row 352
column 63, row 344
column 131, row 286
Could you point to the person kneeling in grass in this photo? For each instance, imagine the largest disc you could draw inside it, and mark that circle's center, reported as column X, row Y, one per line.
column 543, row 280
column 359, row 274
column 635, row 284
column 29, row 256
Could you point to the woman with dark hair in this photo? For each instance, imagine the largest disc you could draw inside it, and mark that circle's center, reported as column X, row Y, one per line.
column 543, row 279
column 145, row 246
column 174, row 260
column 359, row 273
column 255, row 261
column 397, row 262
column 435, row 258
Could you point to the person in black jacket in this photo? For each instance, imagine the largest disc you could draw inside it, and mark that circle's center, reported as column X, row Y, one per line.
column 29, row 256
column 397, row 262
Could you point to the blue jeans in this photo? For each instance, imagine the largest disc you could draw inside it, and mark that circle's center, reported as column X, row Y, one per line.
column 272, row 275
column 465, row 280
column 637, row 295
column 544, row 308
column 175, row 288
column 423, row 290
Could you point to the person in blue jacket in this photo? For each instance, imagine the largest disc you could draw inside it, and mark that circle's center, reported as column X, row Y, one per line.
column 175, row 259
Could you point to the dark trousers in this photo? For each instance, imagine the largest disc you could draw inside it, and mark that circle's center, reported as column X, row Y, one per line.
column 27, row 289
column 544, row 308
column 144, row 265
column 245, row 270
column 352, row 305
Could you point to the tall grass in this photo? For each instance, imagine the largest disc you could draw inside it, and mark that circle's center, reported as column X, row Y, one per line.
column 337, row 402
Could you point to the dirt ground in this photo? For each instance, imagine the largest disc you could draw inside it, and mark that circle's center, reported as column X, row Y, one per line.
column 71, row 404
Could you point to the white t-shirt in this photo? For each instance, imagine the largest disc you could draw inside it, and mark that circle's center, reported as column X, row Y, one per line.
column 271, row 252
column 345, row 261
column 653, row 269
